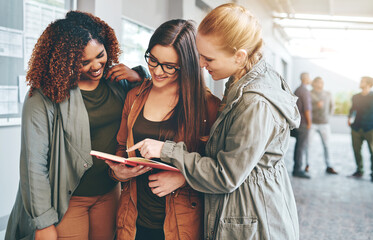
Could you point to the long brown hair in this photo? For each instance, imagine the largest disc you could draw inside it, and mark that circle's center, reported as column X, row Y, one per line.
column 56, row 60
column 191, row 107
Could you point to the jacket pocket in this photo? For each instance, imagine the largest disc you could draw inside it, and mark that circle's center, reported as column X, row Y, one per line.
column 237, row 228
column 188, row 206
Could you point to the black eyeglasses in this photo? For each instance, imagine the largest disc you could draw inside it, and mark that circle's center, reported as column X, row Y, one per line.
column 167, row 68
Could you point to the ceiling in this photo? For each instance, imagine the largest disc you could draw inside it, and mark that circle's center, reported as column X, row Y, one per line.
column 319, row 28
column 355, row 8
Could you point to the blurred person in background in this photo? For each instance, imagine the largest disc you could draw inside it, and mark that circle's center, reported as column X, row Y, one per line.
column 304, row 105
column 322, row 108
column 362, row 126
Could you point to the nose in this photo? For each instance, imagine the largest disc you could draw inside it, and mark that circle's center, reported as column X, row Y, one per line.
column 202, row 62
column 158, row 70
column 96, row 66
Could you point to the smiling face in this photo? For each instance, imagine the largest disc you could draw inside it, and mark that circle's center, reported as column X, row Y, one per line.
column 218, row 62
column 165, row 55
column 93, row 62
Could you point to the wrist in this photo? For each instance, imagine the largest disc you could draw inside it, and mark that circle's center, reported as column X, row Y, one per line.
column 115, row 177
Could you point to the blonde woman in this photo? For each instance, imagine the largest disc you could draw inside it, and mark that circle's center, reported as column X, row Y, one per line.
column 247, row 189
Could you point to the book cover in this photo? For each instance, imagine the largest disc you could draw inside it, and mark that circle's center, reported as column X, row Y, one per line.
column 133, row 161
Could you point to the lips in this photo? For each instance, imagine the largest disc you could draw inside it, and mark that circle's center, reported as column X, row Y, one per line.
column 96, row 73
column 159, row 79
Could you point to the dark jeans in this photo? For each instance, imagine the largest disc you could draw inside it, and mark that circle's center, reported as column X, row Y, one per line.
column 301, row 145
column 358, row 138
column 144, row 233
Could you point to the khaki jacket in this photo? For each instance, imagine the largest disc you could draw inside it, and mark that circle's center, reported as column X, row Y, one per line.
column 247, row 188
column 184, row 207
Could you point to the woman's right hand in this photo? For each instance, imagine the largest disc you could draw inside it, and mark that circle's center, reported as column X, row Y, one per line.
column 120, row 72
column 48, row 233
column 122, row 171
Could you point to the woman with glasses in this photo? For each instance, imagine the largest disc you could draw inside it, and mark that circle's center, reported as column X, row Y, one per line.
column 248, row 194
column 173, row 105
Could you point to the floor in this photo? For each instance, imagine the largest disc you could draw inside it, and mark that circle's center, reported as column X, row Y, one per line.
column 333, row 207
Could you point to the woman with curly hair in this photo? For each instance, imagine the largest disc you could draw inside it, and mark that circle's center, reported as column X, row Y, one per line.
column 71, row 109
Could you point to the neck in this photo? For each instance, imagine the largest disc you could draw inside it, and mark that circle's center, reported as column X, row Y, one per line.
column 365, row 91
column 88, row 85
column 169, row 90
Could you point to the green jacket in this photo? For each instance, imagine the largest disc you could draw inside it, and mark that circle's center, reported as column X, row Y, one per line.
column 54, row 156
column 248, row 194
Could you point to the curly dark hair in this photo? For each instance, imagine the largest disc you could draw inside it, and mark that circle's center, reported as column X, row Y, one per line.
column 56, row 60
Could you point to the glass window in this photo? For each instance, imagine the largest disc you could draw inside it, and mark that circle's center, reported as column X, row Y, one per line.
column 134, row 42
column 21, row 23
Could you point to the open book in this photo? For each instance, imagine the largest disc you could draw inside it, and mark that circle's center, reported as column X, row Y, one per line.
column 133, row 161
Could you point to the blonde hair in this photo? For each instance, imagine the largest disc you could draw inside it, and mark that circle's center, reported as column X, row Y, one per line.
column 237, row 29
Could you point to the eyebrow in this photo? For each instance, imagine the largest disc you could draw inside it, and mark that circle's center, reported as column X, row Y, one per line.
column 206, row 57
column 100, row 53
column 169, row 63
column 95, row 56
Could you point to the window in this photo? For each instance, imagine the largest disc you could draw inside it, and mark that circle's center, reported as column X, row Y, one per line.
column 21, row 23
column 134, row 42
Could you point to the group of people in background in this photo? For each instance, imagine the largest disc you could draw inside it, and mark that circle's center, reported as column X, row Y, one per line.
column 316, row 107
column 232, row 184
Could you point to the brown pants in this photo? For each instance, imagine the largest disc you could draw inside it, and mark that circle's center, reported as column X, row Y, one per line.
column 90, row 217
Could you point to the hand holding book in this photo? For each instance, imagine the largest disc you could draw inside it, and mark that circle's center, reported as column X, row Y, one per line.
column 133, row 161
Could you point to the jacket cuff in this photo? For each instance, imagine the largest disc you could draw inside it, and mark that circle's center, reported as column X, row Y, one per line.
column 47, row 219
column 166, row 152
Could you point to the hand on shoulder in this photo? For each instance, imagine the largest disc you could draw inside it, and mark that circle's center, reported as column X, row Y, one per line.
column 120, row 72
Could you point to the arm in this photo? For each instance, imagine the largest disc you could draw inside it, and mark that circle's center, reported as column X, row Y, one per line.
column 308, row 108
column 245, row 144
column 352, row 111
column 34, row 172
column 331, row 104
column 307, row 114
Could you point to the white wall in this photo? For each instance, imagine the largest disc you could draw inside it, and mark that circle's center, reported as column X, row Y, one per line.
column 10, row 141
column 148, row 12
column 334, row 81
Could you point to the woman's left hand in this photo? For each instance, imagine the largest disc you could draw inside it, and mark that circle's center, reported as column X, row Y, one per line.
column 120, row 72
column 149, row 148
column 165, row 182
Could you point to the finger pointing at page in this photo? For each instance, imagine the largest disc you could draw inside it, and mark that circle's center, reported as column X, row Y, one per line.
column 149, row 148
column 136, row 146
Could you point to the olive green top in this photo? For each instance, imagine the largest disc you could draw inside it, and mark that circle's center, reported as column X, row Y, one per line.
column 104, row 112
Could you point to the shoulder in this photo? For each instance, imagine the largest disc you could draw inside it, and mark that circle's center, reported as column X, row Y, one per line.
column 212, row 100
column 37, row 101
column 138, row 90
column 37, row 108
column 256, row 106
column 354, row 97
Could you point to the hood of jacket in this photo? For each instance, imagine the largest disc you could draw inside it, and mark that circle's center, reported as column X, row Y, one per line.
column 265, row 81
